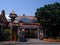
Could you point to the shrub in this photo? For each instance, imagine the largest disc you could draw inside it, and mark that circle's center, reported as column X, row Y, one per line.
column 6, row 34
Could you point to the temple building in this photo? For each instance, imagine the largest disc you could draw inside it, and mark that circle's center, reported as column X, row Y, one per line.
column 25, row 26
column 21, row 26
column 3, row 24
column 29, row 26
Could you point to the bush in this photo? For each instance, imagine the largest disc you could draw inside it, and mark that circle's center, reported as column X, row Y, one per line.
column 6, row 34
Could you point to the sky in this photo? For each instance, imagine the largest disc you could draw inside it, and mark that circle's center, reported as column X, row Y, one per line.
column 20, row 7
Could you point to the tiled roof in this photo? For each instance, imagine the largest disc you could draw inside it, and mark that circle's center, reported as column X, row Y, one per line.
column 3, row 16
column 29, row 17
column 3, row 19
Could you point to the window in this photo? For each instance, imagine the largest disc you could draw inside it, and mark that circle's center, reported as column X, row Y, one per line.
column 26, row 20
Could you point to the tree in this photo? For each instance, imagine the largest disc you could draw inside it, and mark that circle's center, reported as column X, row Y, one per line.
column 6, row 34
column 49, row 17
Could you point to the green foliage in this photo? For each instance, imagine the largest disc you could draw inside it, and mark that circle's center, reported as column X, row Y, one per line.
column 49, row 17
column 6, row 34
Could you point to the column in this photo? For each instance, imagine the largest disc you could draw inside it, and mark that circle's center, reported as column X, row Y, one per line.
column 38, row 33
column 23, row 33
column 2, row 29
column 11, row 33
column 30, row 33
column 18, row 33
column 41, row 34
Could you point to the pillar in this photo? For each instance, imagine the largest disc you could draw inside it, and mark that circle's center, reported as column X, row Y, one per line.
column 2, row 29
column 38, row 33
column 11, row 33
column 18, row 33
column 41, row 34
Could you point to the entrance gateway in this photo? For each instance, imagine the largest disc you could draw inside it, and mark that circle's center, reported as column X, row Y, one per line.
column 30, row 31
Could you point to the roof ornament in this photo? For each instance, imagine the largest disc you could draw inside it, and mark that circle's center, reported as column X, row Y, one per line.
column 12, row 12
column 12, row 15
column 23, row 14
column 3, row 12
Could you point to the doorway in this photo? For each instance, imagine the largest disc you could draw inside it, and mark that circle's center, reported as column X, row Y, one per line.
column 30, row 33
column 14, row 33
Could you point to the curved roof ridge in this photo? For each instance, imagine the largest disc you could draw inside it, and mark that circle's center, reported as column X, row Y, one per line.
column 29, row 17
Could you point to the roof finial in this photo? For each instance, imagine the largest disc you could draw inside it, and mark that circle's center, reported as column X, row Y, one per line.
column 12, row 12
column 23, row 14
column 3, row 12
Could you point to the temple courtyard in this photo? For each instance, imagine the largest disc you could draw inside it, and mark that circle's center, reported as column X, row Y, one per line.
column 30, row 42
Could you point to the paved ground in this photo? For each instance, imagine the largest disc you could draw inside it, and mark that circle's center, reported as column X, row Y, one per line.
column 30, row 42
